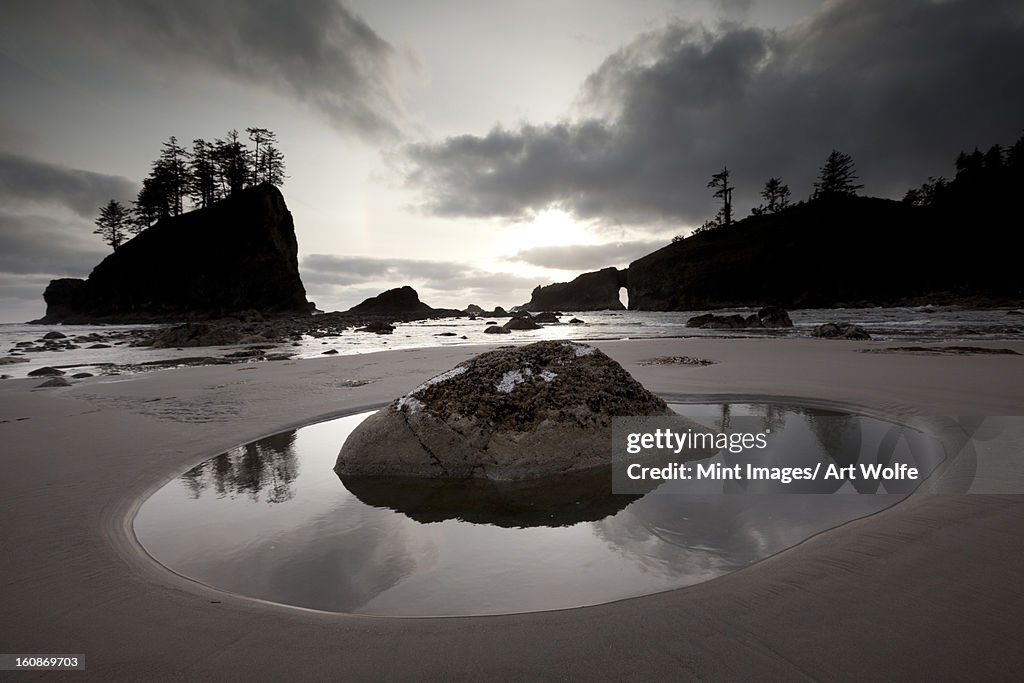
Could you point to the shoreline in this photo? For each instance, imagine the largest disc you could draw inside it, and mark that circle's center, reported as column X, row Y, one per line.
column 128, row 350
column 76, row 582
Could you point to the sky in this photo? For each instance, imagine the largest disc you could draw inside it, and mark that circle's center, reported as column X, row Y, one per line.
column 477, row 149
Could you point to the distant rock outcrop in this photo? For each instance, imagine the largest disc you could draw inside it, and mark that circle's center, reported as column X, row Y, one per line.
column 521, row 323
column 238, row 254
column 710, row 321
column 474, row 310
column 597, row 291
column 511, row 414
column 769, row 316
column 773, row 316
column 840, row 331
column 402, row 302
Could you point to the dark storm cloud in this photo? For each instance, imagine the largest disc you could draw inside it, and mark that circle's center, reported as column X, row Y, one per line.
column 24, row 180
column 22, row 288
column 588, row 257
column 36, row 249
column 318, row 51
column 900, row 86
column 45, row 245
column 46, row 227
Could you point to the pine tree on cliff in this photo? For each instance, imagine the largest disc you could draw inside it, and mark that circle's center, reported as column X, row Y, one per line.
column 172, row 173
column 259, row 136
column 209, row 173
column 202, row 186
column 267, row 160
column 112, row 224
column 233, row 164
column 775, row 194
column 723, row 191
column 164, row 189
column 273, row 166
column 149, row 206
column 837, row 177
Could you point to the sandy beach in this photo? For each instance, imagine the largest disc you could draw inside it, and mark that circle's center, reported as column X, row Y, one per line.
column 932, row 588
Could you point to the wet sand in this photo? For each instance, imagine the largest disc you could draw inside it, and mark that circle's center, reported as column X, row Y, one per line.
column 930, row 589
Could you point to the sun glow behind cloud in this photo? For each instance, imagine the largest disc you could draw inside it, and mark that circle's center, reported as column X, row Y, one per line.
column 550, row 227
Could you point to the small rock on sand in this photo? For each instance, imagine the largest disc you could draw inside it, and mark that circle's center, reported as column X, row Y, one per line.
column 54, row 382
column 46, row 372
column 840, row 331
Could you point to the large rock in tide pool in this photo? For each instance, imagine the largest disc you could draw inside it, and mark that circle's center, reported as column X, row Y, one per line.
column 512, row 414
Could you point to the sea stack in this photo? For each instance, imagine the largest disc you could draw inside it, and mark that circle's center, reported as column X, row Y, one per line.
column 401, row 302
column 597, row 291
column 238, row 254
column 512, row 414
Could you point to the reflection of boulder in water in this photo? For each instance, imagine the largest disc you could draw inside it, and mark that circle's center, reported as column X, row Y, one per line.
column 552, row 501
column 511, row 414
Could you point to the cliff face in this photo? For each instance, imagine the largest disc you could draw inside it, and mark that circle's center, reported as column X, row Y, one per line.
column 822, row 253
column 597, row 291
column 236, row 255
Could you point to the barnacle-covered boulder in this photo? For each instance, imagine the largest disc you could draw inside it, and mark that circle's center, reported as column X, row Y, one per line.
column 512, row 414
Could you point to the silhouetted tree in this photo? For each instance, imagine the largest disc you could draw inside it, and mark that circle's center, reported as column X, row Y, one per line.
column 709, row 224
column 111, row 225
column 982, row 180
column 994, row 158
column 273, row 166
column 968, row 165
column 133, row 224
column 928, row 194
column 1015, row 155
column 151, row 204
column 776, row 194
column 202, row 187
column 173, row 175
column 233, row 163
column 259, row 136
column 723, row 191
column 837, row 177
column 164, row 188
column 209, row 173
